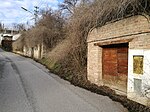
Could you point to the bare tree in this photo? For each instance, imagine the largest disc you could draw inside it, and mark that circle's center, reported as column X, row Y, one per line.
column 69, row 5
column 19, row 27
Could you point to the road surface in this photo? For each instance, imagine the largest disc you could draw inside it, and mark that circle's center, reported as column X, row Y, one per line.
column 26, row 86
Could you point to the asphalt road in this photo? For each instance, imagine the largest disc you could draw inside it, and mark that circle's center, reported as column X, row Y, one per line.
column 26, row 86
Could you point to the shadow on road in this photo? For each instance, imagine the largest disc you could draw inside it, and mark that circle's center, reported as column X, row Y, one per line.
column 1, row 50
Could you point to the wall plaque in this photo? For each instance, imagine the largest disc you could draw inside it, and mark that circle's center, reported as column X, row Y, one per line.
column 138, row 64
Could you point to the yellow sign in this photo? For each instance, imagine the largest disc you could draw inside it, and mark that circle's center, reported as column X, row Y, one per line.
column 138, row 64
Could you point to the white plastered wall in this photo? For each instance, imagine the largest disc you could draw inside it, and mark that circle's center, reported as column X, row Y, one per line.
column 145, row 77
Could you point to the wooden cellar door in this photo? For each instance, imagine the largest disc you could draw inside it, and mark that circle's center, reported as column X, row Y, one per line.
column 115, row 63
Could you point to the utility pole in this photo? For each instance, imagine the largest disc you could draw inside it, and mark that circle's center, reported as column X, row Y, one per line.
column 35, row 13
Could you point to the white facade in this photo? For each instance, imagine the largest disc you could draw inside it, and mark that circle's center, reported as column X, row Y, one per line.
column 1, row 38
column 144, row 78
column 15, row 36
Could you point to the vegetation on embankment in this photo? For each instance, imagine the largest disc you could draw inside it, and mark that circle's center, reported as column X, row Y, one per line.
column 101, row 90
column 65, row 39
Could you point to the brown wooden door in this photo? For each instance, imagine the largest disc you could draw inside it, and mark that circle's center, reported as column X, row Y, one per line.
column 122, row 60
column 115, row 63
column 110, row 61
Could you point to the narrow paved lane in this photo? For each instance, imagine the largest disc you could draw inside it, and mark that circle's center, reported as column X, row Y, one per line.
column 26, row 86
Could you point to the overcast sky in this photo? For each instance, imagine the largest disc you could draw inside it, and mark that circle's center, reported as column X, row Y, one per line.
column 11, row 12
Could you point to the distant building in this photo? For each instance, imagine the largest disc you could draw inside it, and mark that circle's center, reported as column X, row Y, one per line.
column 9, row 35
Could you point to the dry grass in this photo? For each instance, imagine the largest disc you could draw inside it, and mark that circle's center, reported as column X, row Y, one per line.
column 71, row 53
column 60, row 51
column 96, row 14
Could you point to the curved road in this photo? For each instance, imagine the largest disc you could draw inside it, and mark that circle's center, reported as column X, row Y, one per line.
column 26, row 86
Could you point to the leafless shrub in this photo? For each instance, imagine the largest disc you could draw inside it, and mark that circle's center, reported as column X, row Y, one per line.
column 85, row 15
column 53, row 29
column 19, row 43
column 89, row 15
column 49, row 31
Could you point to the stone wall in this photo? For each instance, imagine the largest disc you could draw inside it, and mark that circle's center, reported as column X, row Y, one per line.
column 126, row 27
column 141, row 41
column 132, row 27
column 94, row 63
column 36, row 52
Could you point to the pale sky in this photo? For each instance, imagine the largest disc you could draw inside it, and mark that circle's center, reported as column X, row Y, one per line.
column 11, row 12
